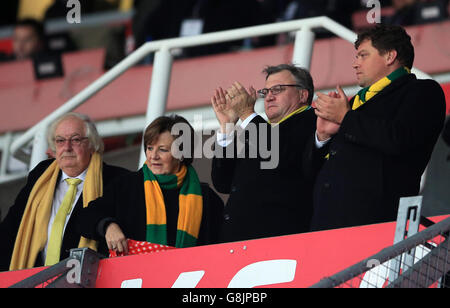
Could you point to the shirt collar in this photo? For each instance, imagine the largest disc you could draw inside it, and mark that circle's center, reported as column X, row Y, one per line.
column 81, row 176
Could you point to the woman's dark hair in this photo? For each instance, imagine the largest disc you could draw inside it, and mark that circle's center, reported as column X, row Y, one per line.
column 385, row 38
column 166, row 124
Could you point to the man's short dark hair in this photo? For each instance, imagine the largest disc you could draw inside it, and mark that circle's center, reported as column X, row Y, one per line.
column 301, row 75
column 387, row 37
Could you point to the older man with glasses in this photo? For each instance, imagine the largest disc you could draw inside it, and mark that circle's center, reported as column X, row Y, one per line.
column 264, row 202
column 40, row 227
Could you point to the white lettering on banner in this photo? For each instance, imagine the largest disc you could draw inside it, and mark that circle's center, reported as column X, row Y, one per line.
column 253, row 275
column 188, row 279
column 131, row 284
column 379, row 273
column 264, row 273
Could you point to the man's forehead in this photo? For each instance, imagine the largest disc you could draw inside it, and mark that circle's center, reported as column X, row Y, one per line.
column 70, row 126
column 283, row 77
column 366, row 44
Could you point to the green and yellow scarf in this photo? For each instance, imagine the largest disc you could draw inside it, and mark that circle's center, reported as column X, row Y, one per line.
column 367, row 93
column 300, row 110
column 190, row 206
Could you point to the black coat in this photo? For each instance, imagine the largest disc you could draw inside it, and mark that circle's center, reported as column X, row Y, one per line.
column 446, row 133
column 378, row 155
column 10, row 225
column 124, row 203
column 271, row 202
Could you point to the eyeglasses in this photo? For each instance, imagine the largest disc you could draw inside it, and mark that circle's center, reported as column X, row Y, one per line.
column 276, row 89
column 74, row 141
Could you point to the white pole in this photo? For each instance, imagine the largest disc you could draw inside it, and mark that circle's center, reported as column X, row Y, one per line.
column 40, row 147
column 302, row 57
column 303, row 48
column 159, row 90
column 204, row 39
column 5, row 154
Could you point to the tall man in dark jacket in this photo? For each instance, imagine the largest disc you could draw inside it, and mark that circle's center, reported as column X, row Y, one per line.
column 268, row 196
column 373, row 150
column 40, row 227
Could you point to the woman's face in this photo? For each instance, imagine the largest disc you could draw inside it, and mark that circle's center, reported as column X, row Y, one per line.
column 159, row 156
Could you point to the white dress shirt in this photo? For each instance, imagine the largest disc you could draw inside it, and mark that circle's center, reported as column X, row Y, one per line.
column 224, row 140
column 320, row 144
column 60, row 191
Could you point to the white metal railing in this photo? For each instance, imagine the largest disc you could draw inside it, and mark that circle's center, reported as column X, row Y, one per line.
column 162, row 68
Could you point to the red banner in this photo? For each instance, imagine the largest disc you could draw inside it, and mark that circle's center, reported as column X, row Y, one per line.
column 446, row 88
column 288, row 261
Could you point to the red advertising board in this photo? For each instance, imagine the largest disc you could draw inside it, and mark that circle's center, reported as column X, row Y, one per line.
column 288, row 261
column 446, row 88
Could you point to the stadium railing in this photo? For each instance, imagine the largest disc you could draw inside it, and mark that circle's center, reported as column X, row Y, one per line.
column 416, row 260
column 163, row 60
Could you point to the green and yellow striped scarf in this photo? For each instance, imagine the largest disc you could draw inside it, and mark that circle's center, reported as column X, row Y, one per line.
column 300, row 110
column 190, row 206
column 367, row 93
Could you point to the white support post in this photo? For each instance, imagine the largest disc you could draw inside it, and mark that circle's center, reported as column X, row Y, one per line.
column 303, row 48
column 5, row 154
column 159, row 90
column 40, row 146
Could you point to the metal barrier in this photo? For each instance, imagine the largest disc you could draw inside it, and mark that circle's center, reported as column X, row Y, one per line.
column 162, row 67
column 77, row 271
column 419, row 261
column 390, row 268
column 303, row 47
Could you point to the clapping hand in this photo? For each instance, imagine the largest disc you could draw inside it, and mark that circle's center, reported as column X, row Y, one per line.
column 232, row 104
column 241, row 100
column 223, row 109
column 330, row 110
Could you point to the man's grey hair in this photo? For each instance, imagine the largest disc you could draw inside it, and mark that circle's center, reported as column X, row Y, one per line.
column 301, row 75
column 95, row 141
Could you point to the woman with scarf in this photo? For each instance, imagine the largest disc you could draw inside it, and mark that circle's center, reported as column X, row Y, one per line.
column 163, row 202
